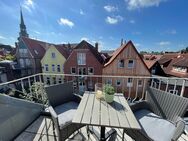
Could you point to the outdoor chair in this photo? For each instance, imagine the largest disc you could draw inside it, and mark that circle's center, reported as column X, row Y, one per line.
column 159, row 116
column 63, row 105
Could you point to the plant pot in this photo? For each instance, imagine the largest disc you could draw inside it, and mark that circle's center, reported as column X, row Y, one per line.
column 109, row 98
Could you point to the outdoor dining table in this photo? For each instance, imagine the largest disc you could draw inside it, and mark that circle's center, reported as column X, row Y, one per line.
column 95, row 112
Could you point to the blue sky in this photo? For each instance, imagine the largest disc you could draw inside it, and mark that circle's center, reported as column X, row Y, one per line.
column 152, row 25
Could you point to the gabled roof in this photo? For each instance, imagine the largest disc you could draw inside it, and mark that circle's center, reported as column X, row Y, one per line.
column 183, row 62
column 62, row 50
column 150, row 63
column 120, row 49
column 167, row 57
column 36, row 48
column 85, row 45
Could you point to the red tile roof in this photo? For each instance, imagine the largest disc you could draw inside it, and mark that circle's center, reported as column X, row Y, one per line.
column 150, row 63
column 120, row 49
column 152, row 57
column 38, row 48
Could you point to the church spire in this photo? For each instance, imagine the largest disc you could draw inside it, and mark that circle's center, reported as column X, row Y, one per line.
column 23, row 31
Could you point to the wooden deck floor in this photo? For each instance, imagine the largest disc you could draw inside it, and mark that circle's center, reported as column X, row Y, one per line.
column 39, row 132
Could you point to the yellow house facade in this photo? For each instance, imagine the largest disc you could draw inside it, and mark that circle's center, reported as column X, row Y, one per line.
column 53, row 62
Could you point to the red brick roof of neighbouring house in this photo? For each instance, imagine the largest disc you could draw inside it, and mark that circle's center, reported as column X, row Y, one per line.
column 150, row 63
column 167, row 57
column 183, row 62
column 120, row 49
column 152, row 57
column 38, row 48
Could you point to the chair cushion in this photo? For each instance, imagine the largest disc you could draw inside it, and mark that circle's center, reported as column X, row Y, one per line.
column 154, row 126
column 66, row 113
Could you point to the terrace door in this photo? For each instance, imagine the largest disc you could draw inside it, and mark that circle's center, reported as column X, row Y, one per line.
column 81, row 83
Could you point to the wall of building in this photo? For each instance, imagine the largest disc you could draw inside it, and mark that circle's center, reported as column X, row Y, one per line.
column 48, row 60
column 139, row 69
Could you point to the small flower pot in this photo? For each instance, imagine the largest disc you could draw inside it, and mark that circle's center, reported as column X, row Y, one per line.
column 109, row 98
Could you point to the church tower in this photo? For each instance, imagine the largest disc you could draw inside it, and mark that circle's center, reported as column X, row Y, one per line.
column 23, row 31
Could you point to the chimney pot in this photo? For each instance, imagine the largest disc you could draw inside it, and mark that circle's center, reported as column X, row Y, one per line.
column 96, row 46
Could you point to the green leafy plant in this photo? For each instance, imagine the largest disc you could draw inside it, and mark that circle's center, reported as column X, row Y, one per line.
column 109, row 89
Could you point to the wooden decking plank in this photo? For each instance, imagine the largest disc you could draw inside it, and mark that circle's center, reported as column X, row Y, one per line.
column 120, row 113
column 88, row 110
column 96, row 112
column 129, row 114
column 80, row 110
column 104, row 113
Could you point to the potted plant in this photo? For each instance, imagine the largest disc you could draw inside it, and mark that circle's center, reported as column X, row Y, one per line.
column 109, row 93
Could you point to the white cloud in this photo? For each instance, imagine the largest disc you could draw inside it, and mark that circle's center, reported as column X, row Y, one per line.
column 137, row 4
column 164, row 43
column 85, row 38
column 136, row 33
column 114, row 19
column 37, row 32
column 2, row 37
column 82, row 12
column 29, row 5
column 137, row 44
column 66, row 22
column 132, row 21
column 110, row 8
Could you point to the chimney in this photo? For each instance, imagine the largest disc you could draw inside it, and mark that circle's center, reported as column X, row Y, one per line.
column 121, row 41
column 96, row 46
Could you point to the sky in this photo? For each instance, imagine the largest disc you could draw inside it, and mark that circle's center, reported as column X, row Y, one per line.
column 152, row 25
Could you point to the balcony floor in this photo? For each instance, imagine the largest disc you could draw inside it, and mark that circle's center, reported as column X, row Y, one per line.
column 38, row 132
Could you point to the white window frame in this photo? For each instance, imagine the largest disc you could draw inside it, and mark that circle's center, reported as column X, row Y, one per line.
column 58, row 68
column 81, row 58
column 46, row 67
column 109, row 80
column 53, row 67
column 132, row 65
column 22, row 64
column 140, row 85
column 53, row 55
column 71, row 70
column 89, row 69
column 172, row 91
column 130, row 84
column 119, row 63
column 117, row 82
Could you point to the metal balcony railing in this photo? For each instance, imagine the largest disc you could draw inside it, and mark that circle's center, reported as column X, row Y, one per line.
column 133, row 87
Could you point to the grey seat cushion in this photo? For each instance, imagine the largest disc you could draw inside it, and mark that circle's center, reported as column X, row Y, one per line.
column 66, row 113
column 154, row 126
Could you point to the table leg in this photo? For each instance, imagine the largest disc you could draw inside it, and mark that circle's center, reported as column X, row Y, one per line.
column 102, row 138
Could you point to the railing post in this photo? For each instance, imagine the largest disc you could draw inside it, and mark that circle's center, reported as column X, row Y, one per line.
column 22, row 85
column 175, row 86
column 136, row 90
column 29, row 85
column 183, row 88
column 166, row 90
column 152, row 82
column 159, row 87
column 143, row 90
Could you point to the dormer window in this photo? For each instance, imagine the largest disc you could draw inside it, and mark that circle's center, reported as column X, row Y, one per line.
column 121, row 63
column 131, row 64
column 36, row 52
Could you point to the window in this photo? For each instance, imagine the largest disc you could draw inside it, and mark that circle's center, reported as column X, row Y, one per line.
column 58, row 68
column 173, row 92
column 139, row 83
column 36, row 52
column 53, row 67
column 48, row 81
column 53, row 54
column 109, row 81
column 81, row 58
column 28, row 63
column 73, row 70
column 121, row 63
column 54, row 80
column 60, row 80
column 118, row 82
column 46, row 67
column 90, row 70
column 131, row 64
column 22, row 63
column 129, row 82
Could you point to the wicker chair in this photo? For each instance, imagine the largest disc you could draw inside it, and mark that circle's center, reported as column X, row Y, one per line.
column 159, row 116
column 63, row 104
